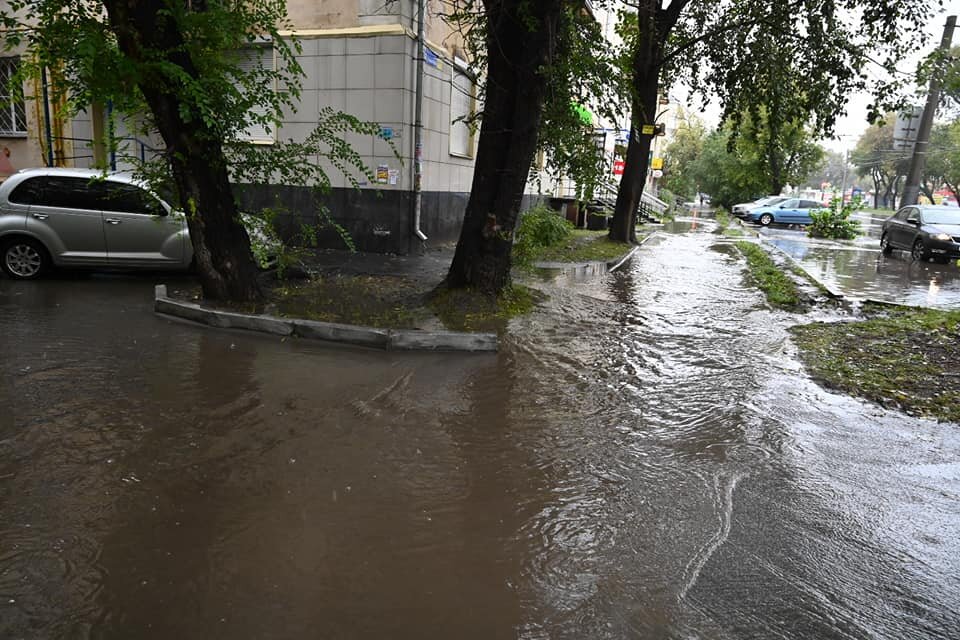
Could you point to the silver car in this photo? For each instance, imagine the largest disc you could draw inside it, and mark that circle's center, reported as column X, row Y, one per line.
column 83, row 218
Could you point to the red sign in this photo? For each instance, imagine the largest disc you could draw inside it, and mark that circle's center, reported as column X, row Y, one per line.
column 618, row 167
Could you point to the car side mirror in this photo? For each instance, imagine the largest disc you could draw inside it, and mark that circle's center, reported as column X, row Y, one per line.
column 913, row 221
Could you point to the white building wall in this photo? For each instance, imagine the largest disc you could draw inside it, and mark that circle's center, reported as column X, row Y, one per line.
column 372, row 76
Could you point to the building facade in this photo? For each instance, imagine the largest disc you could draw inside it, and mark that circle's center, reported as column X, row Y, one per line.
column 358, row 57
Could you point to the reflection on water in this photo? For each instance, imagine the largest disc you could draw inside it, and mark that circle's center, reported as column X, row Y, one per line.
column 644, row 459
column 866, row 273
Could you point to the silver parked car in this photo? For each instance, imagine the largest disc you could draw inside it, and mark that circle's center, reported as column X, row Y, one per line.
column 83, row 218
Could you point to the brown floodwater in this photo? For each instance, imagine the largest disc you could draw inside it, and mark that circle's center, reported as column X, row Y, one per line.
column 644, row 458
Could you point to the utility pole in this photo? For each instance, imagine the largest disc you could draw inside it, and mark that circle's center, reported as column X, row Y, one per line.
column 843, row 181
column 911, row 189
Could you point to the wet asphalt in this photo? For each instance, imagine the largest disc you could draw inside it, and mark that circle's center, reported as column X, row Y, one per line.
column 645, row 458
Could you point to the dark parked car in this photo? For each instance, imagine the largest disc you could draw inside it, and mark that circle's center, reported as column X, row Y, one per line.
column 926, row 231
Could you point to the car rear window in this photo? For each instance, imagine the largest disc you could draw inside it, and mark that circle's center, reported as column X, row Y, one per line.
column 26, row 192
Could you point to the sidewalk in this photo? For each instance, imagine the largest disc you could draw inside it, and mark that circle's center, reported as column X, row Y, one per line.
column 430, row 268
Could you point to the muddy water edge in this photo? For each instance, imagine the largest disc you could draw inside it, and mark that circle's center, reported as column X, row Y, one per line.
column 645, row 458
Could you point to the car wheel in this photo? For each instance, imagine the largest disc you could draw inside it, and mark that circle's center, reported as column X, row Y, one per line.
column 24, row 259
column 766, row 219
column 919, row 252
column 885, row 247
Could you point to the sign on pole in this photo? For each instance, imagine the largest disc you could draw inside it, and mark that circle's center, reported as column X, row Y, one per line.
column 905, row 128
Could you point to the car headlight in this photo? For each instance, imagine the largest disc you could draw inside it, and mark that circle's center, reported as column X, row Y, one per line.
column 943, row 237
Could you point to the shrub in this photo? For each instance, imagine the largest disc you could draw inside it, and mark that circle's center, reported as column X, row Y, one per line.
column 539, row 227
column 834, row 221
column 668, row 196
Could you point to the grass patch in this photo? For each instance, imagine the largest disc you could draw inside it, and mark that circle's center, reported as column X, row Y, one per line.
column 371, row 301
column 385, row 302
column 780, row 289
column 471, row 310
column 906, row 359
column 722, row 216
column 582, row 246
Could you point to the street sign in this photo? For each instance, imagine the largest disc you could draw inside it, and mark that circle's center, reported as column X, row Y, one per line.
column 618, row 166
column 647, row 129
column 656, row 163
column 905, row 128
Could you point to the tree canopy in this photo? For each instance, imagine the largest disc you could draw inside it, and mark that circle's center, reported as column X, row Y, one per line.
column 799, row 59
column 193, row 74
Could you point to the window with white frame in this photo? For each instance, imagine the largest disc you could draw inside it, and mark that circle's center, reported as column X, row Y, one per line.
column 462, row 107
column 251, row 59
column 13, row 117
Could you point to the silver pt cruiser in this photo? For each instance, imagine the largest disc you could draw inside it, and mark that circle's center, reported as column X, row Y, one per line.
column 84, row 218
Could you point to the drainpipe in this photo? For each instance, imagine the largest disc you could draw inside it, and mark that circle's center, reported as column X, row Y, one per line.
column 418, row 128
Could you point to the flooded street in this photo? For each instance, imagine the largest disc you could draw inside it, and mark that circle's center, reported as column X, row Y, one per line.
column 644, row 458
column 858, row 270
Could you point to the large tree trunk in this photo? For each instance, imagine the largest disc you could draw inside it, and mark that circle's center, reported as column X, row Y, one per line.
column 654, row 26
column 220, row 243
column 515, row 93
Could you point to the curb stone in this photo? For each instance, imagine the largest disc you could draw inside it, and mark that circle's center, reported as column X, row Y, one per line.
column 833, row 293
column 386, row 339
column 612, row 265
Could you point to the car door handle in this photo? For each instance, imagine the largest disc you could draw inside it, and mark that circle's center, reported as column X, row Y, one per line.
column 111, row 220
column 41, row 216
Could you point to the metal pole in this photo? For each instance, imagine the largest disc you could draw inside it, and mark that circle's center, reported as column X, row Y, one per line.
column 110, row 136
column 911, row 189
column 47, row 124
column 843, row 180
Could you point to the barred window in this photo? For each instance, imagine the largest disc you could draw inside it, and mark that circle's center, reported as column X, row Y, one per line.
column 13, row 118
column 251, row 60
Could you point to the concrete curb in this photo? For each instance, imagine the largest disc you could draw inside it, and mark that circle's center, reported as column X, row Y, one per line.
column 613, row 265
column 833, row 293
column 387, row 339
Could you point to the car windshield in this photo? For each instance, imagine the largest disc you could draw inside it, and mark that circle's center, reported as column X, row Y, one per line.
column 941, row 216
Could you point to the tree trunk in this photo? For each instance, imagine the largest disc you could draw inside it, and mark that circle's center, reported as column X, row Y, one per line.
column 654, row 26
column 623, row 225
column 774, row 161
column 513, row 104
column 221, row 245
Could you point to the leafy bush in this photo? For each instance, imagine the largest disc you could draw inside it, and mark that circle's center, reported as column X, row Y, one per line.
column 834, row 222
column 539, row 227
column 668, row 196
